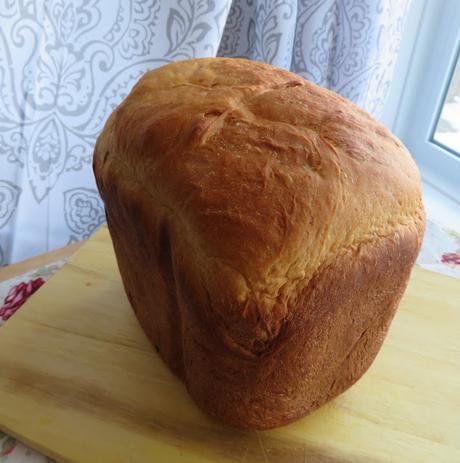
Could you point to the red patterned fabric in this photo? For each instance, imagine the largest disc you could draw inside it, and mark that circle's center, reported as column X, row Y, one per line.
column 18, row 295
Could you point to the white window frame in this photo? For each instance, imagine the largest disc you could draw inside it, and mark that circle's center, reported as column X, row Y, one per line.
column 429, row 69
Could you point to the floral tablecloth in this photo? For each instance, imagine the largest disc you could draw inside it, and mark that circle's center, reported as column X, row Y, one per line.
column 440, row 253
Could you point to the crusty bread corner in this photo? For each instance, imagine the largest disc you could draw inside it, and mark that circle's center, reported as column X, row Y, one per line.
column 244, row 185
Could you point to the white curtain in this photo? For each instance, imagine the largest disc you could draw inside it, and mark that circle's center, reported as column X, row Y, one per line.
column 65, row 64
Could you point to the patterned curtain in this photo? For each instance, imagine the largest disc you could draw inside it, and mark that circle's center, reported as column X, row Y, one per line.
column 65, row 64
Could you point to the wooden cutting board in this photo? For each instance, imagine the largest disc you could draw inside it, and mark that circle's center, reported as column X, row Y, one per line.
column 80, row 382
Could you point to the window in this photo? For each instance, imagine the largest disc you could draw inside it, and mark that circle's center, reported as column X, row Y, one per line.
column 447, row 130
column 428, row 114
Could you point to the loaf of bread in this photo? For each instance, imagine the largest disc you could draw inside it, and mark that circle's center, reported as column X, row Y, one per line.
column 265, row 229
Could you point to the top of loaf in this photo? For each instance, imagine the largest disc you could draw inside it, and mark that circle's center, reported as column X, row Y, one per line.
column 264, row 177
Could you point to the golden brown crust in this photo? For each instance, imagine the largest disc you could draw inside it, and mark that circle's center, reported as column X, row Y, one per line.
column 232, row 189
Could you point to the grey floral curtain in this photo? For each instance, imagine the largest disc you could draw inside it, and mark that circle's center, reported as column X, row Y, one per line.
column 65, row 64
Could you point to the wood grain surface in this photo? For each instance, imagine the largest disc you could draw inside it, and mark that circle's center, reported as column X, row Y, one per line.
column 80, row 382
column 14, row 270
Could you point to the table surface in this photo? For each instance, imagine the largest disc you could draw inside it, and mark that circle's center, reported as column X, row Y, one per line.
column 80, row 382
